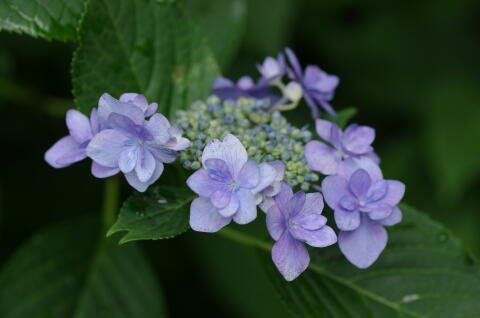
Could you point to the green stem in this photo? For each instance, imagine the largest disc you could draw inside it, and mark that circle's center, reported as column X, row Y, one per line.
column 110, row 201
column 244, row 239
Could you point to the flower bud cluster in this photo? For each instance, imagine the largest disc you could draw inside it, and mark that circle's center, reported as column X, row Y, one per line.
column 267, row 136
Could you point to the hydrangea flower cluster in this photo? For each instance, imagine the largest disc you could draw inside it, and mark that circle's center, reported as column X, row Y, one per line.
column 119, row 137
column 313, row 84
column 266, row 135
column 245, row 155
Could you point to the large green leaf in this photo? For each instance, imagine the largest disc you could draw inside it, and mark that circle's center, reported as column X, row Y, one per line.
column 223, row 23
column 423, row 272
column 162, row 212
column 49, row 19
column 145, row 47
column 66, row 272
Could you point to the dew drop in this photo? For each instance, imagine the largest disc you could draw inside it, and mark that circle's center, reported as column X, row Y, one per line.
column 410, row 298
column 162, row 201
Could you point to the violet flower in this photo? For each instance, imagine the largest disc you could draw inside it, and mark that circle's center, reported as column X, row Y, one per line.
column 318, row 86
column 296, row 220
column 355, row 141
column 225, row 89
column 133, row 145
column 227, row 186
column 363, row 203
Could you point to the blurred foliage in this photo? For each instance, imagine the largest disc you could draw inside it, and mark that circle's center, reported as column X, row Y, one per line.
column 410, row 69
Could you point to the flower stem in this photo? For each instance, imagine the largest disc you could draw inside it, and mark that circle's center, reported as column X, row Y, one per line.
column 244, row 239
column 110, row 201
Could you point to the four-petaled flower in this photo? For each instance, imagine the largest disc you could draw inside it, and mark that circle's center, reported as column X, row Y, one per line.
column 318, row 86
column 133, row 145
column 227, row 185
column 363, row 203
column 293, row 221
column 355, row 141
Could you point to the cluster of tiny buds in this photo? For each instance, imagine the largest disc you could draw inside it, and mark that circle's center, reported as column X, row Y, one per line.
column 267, row 136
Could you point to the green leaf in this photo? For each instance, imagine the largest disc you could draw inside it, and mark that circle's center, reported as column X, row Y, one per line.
column 48, row 19
column 223, row 23
column 423, row 272
column 162, row 212
column 65, row 271
column 145, row 47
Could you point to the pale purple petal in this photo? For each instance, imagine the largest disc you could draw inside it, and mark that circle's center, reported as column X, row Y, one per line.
column 79, row 126
column 290, row 256
column 349, row 166
column 245, row 82
column 267, row 175
column 128, row 159
column 221, row 198
column 294, row 205
column 231, row 208
column 348, row 203
column 140, row 186
column 248, row 208
column 359, row 183
column 160, row 153
column 313, row 204
column 106, row 147
column 122, row 124
column 377, row 191
column 230, row 150
column 394, row 218
column 357, row 139
column 145, row 166
column 323, row 128
column 158, row 126
column 347, row 220
column 249, row 175
column 222, row 82
column 266, row 204
column 379, row 211
column 321, row 157
column 334, row 188
column 218, row 170
column 201, row 183
column 204, row 217
column 152, row 108
column 322, row 237
column 312, row 221
column 65, row 148
column 275, row 222
column 95, row 123
column 320, row 81
column 363, row 245
column 107, row 104
column 292, row 58
column 395, row 192
column 100, row 171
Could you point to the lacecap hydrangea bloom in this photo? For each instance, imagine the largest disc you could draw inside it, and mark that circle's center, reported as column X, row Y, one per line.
column 118, row 137
column 363, row 203
column 227, row 185
column 293, row 221
column 355, row 141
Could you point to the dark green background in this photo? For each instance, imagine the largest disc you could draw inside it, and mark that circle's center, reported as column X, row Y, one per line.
column 411, row 69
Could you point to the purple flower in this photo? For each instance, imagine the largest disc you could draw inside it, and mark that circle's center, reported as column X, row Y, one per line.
column 140, row 101
column 245, row 87
column 363, row 203
column 293, row 221
column 353, row 142
column 272, row 69
column 318, row 86
column 133, row 145
column 227, row 186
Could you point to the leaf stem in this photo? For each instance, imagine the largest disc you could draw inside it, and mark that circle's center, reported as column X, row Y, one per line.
column 110, row 201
